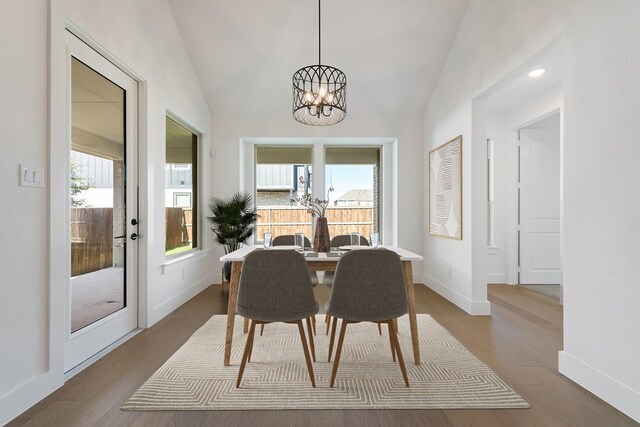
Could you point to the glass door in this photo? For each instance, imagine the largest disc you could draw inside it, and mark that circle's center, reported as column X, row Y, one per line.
column 102, row 291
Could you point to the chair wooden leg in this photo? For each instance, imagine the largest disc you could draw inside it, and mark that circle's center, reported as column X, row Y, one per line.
column 379, row 328
column 313, row 324
column 247, row 350
column 261, row 329
column 333, row 336
column 246, row 325
column 306, row 352
column 327, row 320
column 393, row 347
column 403, row 368
column 343, row 329
column 311, row 343
column 252, row 341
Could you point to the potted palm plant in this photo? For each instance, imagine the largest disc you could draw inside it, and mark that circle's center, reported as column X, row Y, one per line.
column 233, row 221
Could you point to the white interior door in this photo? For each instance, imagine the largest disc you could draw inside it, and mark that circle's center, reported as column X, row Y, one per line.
column 540, row 206
column 102, row 252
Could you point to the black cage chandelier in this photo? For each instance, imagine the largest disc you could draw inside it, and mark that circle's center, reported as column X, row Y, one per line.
column 319, row 92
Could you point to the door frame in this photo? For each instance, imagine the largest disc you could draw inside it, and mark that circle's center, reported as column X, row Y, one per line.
column 59, row 112
column 84, row 343
column 512, row 190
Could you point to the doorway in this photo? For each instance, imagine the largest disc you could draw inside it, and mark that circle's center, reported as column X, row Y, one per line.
column 539, row 205
column 101, row 295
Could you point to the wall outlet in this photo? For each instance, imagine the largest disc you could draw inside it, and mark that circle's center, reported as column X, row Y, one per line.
column 31, row 177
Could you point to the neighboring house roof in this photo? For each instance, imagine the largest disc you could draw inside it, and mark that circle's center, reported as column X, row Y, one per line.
column 358, row 195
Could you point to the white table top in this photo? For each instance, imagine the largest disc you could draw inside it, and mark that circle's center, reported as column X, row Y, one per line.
column 241, row 253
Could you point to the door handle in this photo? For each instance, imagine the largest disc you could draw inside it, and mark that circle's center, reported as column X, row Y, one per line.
column 135, row 236
column 124, row 236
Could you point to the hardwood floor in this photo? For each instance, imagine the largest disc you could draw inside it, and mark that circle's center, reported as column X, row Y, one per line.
column 520, row 342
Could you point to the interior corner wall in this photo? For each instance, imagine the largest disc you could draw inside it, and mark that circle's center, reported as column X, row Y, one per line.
column 491, row 42
column 602, row 201
column 228, row 130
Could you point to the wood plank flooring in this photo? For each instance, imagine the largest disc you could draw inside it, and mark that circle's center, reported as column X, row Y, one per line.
column 519, row 341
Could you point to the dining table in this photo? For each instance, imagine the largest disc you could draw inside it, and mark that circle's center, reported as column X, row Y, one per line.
column 318, row 261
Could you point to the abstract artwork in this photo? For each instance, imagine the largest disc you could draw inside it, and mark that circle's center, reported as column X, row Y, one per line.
column 445, row 190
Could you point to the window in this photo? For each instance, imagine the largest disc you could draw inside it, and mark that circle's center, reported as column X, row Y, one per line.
column 284, row 171
column 354, row 203
column 490, row 194
column 181, row 189
column 280, row 173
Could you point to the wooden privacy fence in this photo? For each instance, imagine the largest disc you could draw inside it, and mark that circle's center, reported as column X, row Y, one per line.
column 91, row 239
column 179, row 227
column 92, row 236
column 281, row 220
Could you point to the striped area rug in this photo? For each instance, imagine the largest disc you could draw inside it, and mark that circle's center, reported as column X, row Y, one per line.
column 450, row 377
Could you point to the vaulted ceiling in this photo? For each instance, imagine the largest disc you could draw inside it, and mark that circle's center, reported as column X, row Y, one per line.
column 246, row 51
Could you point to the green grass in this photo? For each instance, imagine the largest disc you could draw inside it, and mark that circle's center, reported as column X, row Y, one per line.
column 178, row 250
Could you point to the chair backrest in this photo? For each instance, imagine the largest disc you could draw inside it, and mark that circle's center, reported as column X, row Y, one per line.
column 369, row 285
column 289, row 240
column 345, row 240
column 275, row 287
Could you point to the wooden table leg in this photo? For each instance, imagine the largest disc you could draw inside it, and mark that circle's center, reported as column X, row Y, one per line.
column 411, row 299
column 236, row 267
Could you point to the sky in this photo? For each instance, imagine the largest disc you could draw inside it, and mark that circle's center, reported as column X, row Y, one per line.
column 347, row 177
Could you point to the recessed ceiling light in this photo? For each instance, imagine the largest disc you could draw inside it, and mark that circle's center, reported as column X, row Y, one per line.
column 536, row 73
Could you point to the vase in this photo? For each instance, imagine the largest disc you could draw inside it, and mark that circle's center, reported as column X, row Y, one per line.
column 227, row 271
column 321, row 240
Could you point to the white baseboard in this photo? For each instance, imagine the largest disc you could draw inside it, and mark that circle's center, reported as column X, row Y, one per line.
column 166, row 307
column 477, row 308
column 23, row 397
column 497, row 278
column 606, row 388
column 418, row 278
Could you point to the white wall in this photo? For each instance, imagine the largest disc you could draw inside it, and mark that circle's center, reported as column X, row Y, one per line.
column 602, row 201
column 142, row 35
column 228, row 130
column 495, row 37
column 497, row 255
column 23, row 212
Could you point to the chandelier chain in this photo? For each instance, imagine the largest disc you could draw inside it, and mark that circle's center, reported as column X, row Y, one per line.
column 319, row 91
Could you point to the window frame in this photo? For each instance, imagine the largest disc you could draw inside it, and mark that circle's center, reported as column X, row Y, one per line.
column 196, row 188
column 388, row 191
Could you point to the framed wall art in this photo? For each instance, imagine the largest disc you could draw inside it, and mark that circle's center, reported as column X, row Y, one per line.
column 445, row 190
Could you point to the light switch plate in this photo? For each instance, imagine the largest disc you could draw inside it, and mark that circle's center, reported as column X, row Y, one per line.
column 31, row 177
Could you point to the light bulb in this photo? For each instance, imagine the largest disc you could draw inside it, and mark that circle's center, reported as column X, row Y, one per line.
column 308, row 96
column 323, row 91
column 329, row 97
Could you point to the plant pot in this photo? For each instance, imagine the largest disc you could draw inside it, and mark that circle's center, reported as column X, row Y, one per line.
column 227, row 271
column 321, row 240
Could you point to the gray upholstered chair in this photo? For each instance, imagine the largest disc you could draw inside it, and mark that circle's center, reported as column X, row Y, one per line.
column 327, row 280
column 275, row 287
column 289, row 240
column 368, row 287
column 336, row 242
